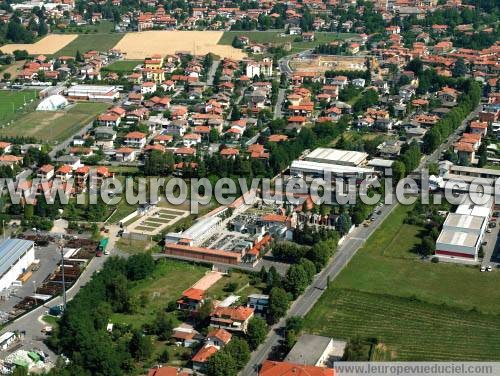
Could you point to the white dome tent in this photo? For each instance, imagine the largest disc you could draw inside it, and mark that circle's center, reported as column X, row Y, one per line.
column 52, row 103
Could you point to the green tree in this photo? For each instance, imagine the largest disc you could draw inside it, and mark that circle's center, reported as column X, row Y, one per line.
column 459, row 68
column 398, row 171
column 278, row 304
column 239, row 350
column 140, row 346
column 296, row 280
column 256, row 332
column 221, row 364
column 344, row 223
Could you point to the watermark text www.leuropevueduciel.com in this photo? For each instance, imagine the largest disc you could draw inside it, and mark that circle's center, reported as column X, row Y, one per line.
column 293, row 190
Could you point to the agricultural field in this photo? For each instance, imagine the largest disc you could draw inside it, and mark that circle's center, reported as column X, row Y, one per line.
column 122, row 66
column 87, row 42
column 387, row 278
column 57, row 125
column 276, row 38
column 12, row 102
column 47, row 45
column 141, row 44
column 411, row 329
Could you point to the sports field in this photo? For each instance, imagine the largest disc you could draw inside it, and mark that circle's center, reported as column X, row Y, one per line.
column 419, row 309
column 146, row 43
column 13, row 101
column 47, row 45
column 57, row 125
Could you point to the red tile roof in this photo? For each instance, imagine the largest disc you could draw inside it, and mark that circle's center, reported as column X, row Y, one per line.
column 270, row 368
column 194, row 294
column 234, row 313
column 204, row 353
column 221, row 334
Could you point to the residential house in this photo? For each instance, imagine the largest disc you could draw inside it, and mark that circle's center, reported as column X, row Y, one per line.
column 125, row 154
column 46, row 172
column 231, row 318
column 218, row 338
column 135, row 140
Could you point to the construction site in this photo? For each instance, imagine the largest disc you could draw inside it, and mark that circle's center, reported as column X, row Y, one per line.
column 323, row 63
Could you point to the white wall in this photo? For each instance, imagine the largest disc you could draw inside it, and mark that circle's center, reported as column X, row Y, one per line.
column 17, row 269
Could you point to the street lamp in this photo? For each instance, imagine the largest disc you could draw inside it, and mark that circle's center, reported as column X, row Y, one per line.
column 61, row 249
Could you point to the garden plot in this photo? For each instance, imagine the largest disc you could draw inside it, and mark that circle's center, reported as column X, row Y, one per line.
column 156, row 221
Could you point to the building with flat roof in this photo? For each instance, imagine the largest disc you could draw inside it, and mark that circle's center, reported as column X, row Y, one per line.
column 16, row 255
column 337, row 157
column 463, row 232
column 104, row 93
column 321, row 170
column 313, row 350
column 197, row 233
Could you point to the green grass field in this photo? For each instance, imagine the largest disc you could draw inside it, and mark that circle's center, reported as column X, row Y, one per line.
column 122, row 66
column 169, row 280
column 87, row 42
column 386, row 278
column 57, row 125
column 12, row 103
column 276, row 38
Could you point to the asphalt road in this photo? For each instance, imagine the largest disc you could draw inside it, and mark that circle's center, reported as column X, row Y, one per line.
column 278, row 108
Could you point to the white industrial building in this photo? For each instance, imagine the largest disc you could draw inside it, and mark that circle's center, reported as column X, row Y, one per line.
column 16, row 255
column 53, row 103
column 463, row 232
column 335, row 162
column 337, row 157
column 197, row 233
column 105, row 93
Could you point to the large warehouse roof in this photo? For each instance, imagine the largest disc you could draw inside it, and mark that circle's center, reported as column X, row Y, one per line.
column 334, row 169
column 12, row 250
column 201, row 227
column 463, row 221
column 465, row 239
column 336, row 156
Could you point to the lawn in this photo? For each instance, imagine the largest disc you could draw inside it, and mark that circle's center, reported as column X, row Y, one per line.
column 122, row 66
column 235, row 283
column 169, row 280
column 132, row 246
column 413, row 305
column 56, row 125
column 12, row 102
column 87, row 42
column 275, row 37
